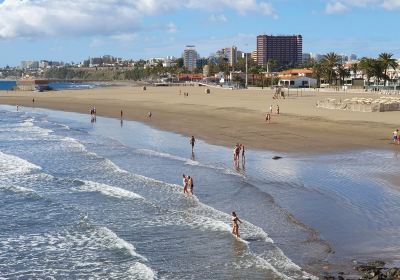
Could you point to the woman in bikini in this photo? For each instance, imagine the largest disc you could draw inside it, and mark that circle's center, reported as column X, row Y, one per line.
column 235, row 224
column 185, row 183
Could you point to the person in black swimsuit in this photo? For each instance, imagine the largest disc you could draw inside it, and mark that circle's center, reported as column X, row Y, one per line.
column 235, row 224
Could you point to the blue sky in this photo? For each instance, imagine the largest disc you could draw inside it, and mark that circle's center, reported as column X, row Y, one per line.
column 72, row 30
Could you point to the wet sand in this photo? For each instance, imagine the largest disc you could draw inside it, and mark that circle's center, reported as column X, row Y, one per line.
column 226, row 117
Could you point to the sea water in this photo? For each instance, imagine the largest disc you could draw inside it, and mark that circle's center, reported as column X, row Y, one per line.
column 9, row 85
column 103, row 199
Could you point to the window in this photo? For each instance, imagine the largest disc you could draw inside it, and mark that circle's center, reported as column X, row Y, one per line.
column 292, row 83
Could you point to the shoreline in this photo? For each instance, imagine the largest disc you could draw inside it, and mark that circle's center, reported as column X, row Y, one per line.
column 229, row 117
column 38, row 100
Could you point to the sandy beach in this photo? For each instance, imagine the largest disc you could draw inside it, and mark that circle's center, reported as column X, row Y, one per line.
column 226, row 117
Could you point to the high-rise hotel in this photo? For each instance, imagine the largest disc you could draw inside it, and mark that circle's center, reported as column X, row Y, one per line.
column 283, row 49
column 190, row 57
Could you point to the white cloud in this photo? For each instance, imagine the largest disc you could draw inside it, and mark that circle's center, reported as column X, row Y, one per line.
column 35, row 18
column 336, row 8
column 218, row 18
column 171, row 27
column 386, row 4
column 391, row 4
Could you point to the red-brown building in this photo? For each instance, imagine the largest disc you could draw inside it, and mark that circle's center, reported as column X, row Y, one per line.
column 31, row 84
column 283, row 49
column 189, row 77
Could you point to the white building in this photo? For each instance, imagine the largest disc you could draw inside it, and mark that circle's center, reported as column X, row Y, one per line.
column 297, row 82
column 190, row 57
column 30, row 64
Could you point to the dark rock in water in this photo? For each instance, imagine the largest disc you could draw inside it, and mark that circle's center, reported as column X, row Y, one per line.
column 376, row 271
column 276, row 157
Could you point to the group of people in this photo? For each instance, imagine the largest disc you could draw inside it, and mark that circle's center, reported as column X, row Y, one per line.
column 236, row 152
column 396, row 137
column 269, row 113
column 187, row 183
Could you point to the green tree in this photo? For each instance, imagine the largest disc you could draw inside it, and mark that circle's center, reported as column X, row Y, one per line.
column 354, row 68
column 366, row 65
column 330, row 62
column 387, row 61
column 343, row 73
column 318, row 72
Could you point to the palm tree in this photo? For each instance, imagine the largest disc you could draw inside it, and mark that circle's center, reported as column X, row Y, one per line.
column 366, row 65
column 387, row 62
column 343, row 73
column 330, row 62
column 378, row 70
column 354, row 68
column 318, row 72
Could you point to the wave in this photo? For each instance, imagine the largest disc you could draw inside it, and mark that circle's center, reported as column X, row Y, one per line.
column 73, row 143
column 13, row 165
column 17, row 189
column 108, row 190
column 116, row 242
column 28, row 127
column 153, row 153
column 141, row 271
column 79, row 248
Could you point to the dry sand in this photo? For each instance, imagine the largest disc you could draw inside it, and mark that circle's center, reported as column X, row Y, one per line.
column 227, row 117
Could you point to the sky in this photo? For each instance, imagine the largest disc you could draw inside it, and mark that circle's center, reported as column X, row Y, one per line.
column 73, row 30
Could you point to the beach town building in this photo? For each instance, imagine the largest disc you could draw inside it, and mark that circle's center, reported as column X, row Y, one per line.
column 306, row 57
column 285, row 50
column 297, row 78
column 353, row 57
column 189, row 77
column 316, row 56
column 31, row 84
column 254, row 55
column 229, row 54
column 190, row 57
column 29, row 65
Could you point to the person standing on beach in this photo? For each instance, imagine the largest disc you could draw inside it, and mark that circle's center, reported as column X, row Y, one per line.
column 243, row 156
column 277, row 109
column 395, row 136
column 192, row 141
column 122, row 113
column 268, row 118
column 235, row 224
column 270, row 109
column 33, row 101
column 149, row 114
column 185, row 183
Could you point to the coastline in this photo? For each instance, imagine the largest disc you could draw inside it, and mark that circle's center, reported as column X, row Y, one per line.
column 39, row 99
column 226, row 117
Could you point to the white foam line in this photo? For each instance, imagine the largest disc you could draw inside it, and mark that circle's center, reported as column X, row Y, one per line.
column 110, row 190
column 187, row 161
column 141, row 271
column 12, row 165
column 165, row 155
column 74, row 143
column 221, row 226
column 119, row 243
column 17, row 189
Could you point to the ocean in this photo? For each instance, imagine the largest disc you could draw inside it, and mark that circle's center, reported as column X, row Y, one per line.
column 8, row 85
column 104, row 200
